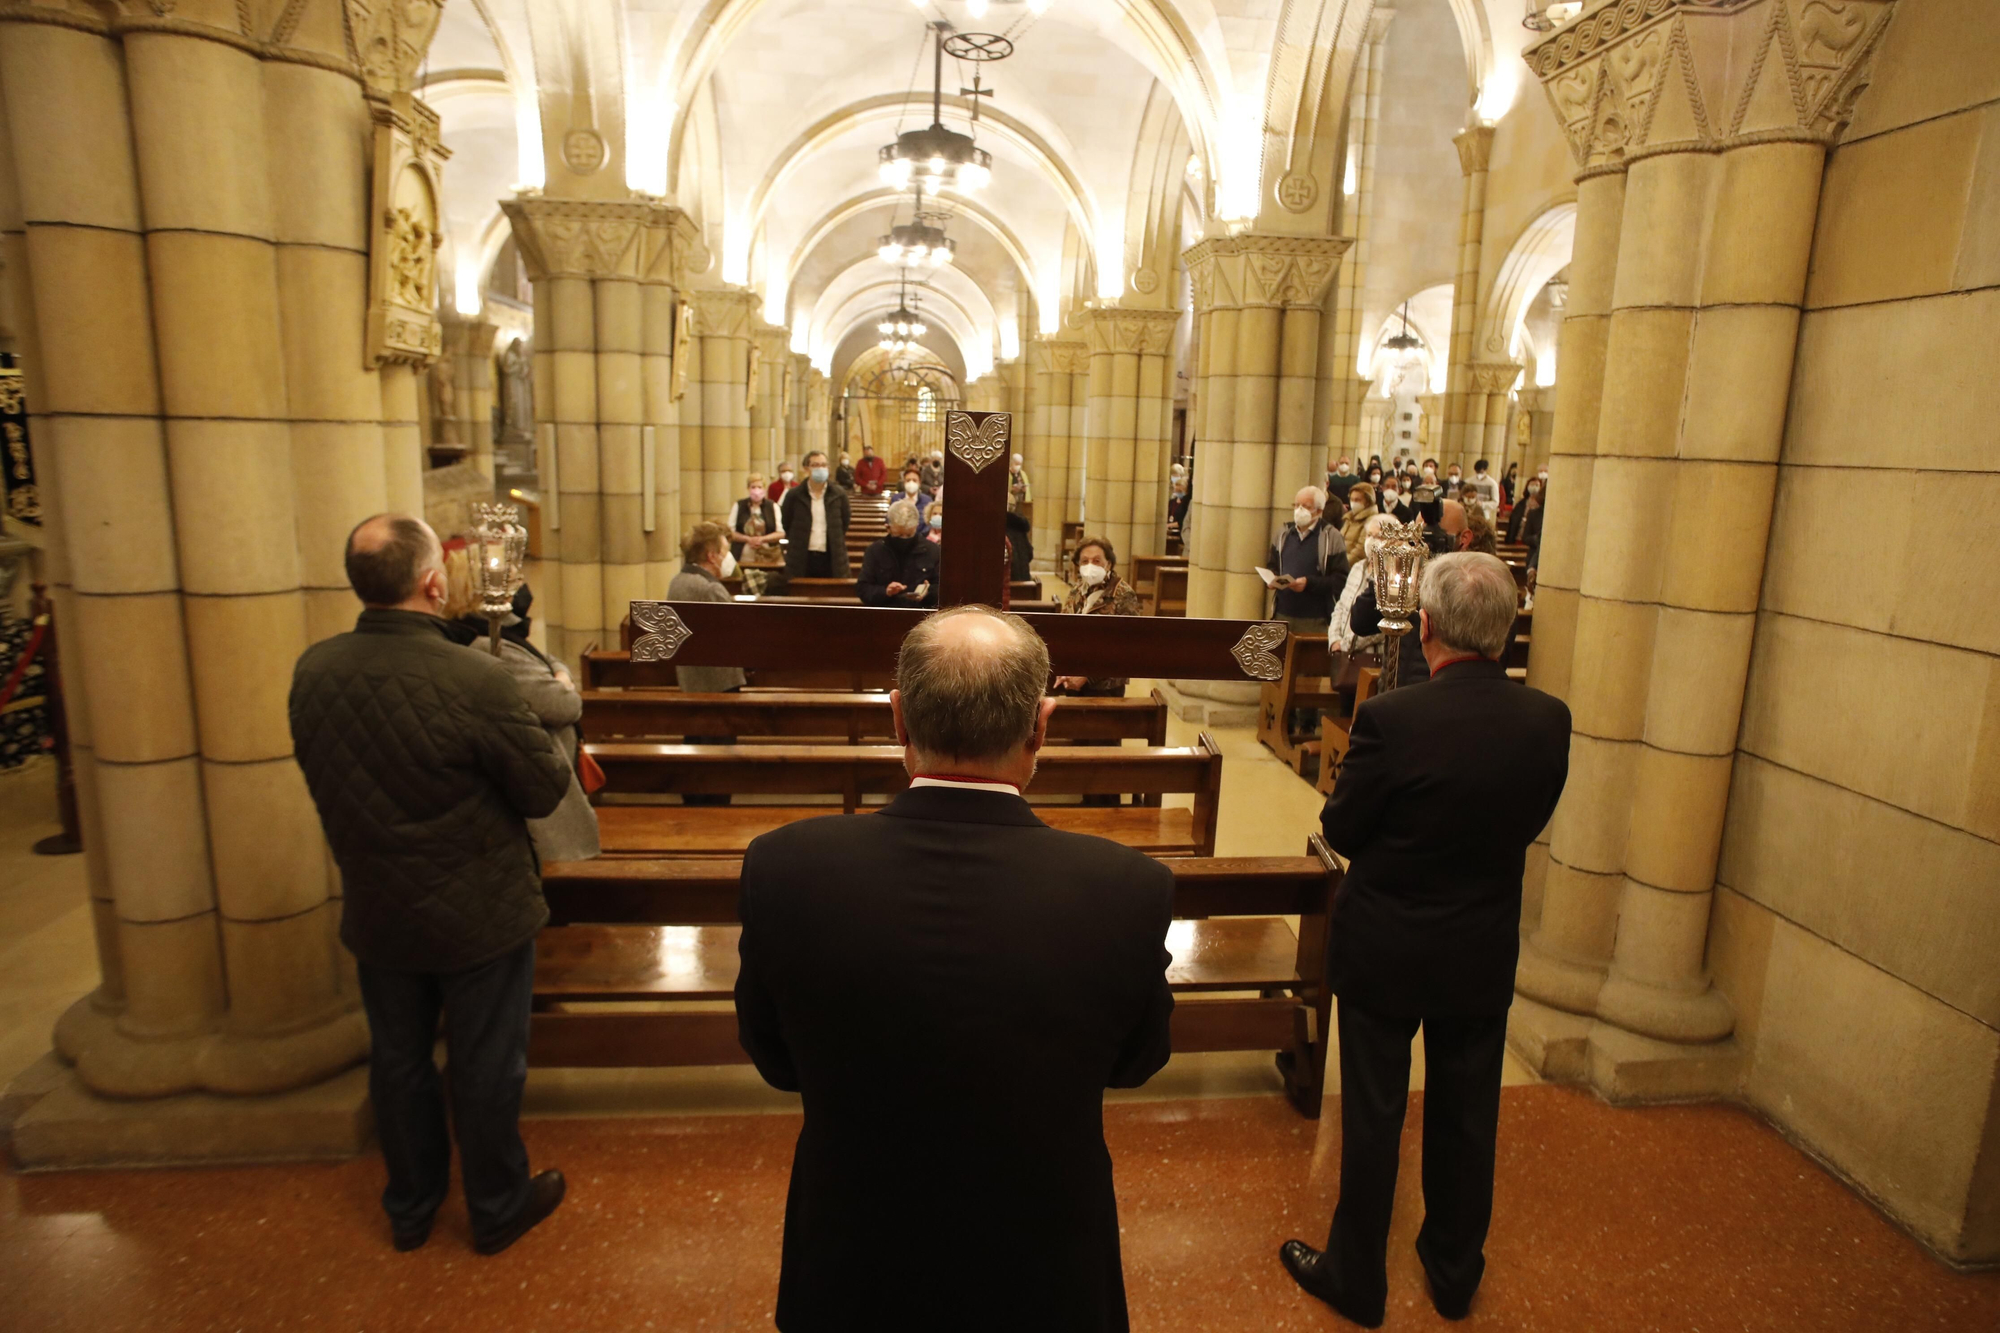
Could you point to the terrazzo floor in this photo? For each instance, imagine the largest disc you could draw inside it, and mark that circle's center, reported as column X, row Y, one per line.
column 1671, row 1219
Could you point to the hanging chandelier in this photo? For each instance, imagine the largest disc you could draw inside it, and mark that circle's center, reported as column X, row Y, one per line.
column 1547, row 15
column 917, row 243
column 1404, row 341
column 901, row 328
column 937, row 158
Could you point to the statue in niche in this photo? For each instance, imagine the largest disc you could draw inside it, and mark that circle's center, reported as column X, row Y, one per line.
column 444, row 400
column 412, row 251
column 517, row 395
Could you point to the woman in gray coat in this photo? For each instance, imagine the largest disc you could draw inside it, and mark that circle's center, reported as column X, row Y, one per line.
column 570, row 834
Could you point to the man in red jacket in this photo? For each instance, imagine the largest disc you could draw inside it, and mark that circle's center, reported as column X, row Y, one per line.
column 870, row 472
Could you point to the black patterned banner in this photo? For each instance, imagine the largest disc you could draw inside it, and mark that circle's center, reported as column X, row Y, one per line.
column 24, row 502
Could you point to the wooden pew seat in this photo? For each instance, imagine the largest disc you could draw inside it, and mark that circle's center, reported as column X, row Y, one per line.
column 856, row 717
column 726, row 830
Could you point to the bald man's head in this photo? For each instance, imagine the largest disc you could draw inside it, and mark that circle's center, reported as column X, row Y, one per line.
column 971, row 683
column 1453, row 518
column 391, row 558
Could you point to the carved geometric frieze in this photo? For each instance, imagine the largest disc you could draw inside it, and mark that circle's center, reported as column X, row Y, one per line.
column 405, row 232
column 387, row 39
column 1657, row 75
column 586, row 238
column 1062, row 356
column 1254, row 269
column 726, row 313
column 1494, row 376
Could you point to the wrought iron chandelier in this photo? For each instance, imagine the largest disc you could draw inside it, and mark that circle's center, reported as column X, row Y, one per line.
column 1404, row 341
column 938, row 158
column 902, row 327
column 917, row 243
column 1547, row 15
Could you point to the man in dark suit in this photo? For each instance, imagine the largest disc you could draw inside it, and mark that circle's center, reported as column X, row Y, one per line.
column 1445, row 785
column 952, row 985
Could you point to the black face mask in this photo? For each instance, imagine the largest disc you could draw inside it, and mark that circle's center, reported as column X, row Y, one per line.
column 901, row 545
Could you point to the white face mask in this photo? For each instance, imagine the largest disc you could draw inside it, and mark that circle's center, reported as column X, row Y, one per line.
column 1543, row 475
column 1431, row 472
column 1342, row 469
column 1388, row 499
column 729, row 564
column 785, row 476
column 1454, row 476
column 1092, row 575
column 909, row 488
column 937, row 522
column 1302, row 517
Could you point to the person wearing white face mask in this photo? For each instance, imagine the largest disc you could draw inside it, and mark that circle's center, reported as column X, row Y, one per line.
column 1391, row 502
column 1309, row 559
column 815, row 522
column 1019, row 491
column 1098, row 591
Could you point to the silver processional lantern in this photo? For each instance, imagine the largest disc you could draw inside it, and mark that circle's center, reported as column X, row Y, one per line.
column 500, row 544
column 1397, row 566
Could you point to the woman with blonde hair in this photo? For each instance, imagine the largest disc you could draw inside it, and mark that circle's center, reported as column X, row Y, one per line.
column 570, row 834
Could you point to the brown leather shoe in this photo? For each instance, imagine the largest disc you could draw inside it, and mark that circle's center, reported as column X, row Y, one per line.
column 545, row 1191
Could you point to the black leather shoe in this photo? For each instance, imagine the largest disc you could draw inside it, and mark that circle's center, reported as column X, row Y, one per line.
column 1310, row 1270
column 544, row 1193
column 411, row 1237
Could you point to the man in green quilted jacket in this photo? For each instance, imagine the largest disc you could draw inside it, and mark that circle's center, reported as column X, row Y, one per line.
column 425, row 764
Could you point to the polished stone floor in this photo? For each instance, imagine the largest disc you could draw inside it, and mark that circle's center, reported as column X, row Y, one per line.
column 1671, row 1218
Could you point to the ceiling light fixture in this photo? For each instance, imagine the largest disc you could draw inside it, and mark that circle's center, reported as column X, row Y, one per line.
column 937, row 158
column 1547, row 15
column 1404, row 341
column 902, row 327
column 917, row 243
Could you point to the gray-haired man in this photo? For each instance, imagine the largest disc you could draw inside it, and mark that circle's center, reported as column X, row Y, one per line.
column 953, row 984
column 900, row 569
column 1444, row 786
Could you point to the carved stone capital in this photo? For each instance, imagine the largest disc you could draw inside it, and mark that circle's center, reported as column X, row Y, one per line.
column 1493, row 376
column 1063, row 356
column 590, row 238
column 1634, row 77
column 727, row 312
column 1109, row 329
column 1255, row 269
column 1475, row 148
column 1536, row 398
column 389, row 40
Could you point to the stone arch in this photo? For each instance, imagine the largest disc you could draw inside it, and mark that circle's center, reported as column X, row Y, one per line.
column 1540, row 252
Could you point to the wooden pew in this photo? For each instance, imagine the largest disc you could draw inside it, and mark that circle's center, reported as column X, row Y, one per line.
column 1334, row 731
column 610, row 715
column 665, row 931
column 1306, row 684
column 1022, row 590
column 617, row 671
column 1146, row 576
column 855, row 772
column 1170, row 591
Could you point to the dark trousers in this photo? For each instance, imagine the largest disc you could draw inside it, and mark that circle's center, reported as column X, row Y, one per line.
column 1462, row 1058
column 486, row 1037
column 819, row 564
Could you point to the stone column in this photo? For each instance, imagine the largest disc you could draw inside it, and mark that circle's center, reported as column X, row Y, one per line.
column 1260, row 296
column 604, row 274
column 1465, row 417
column 1054, row 452
column 1350, row 382
column 199, row 254
column 468, row 344
column 724, row 326
column 1130, row 411
column 767, row 394
column 1719, row 201
column 1528, row 442
column 1492, row 381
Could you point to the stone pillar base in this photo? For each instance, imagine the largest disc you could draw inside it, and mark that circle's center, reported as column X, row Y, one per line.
column 51, row 1122
column 1213, row 703
column 1620, row 1066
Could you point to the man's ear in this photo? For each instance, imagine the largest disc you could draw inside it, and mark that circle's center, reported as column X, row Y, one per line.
column 1041, row 736
column 896, row 712
column 1423, row 629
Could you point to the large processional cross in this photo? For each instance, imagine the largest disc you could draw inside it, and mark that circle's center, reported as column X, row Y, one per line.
column 973, row 569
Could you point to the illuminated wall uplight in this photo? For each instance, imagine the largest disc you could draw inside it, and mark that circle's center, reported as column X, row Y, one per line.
column 1010, row 339
column 1240, row 171
column 1048, row 302
column 649, row 124
column 1110, row 258
column 530, row 169
column 1496, row 96
column 1350, row 177
column 802, row 339
column 736, row 250
column 465, row 296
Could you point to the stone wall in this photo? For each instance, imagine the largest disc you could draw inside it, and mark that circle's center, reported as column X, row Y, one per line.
column 1856, row 925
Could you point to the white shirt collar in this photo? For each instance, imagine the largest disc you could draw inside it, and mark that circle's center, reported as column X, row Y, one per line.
column 963, row 784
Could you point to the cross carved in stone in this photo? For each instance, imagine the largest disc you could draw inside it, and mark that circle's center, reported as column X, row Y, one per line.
column 973, row 570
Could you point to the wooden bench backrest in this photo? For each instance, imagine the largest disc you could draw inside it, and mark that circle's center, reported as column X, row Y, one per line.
column 612, row 715
column 617, row 671
column 1170, row 591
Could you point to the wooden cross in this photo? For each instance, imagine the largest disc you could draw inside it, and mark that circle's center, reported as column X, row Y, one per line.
column 973, row 569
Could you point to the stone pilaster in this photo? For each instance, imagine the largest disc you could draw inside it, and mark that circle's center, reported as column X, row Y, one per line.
column 1488, row 403
column 468, row 349
column 1718, row 120
column 1058, row 420
column 1465, row 406
column 715, row 435
column 612, row 443
column 766, row 394
column 1259, row 300
column 1528, row 443
column 1350, row 382
column 1129, row 414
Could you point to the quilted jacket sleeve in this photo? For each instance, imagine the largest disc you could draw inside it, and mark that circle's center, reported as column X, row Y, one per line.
column 515, row 751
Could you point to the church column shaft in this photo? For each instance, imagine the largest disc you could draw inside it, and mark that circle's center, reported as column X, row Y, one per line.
column 1465, row 414
column 656, row 374
column 621, row 415
column 573, row 368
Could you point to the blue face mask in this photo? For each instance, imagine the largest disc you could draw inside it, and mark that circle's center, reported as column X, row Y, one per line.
column 819, row 474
